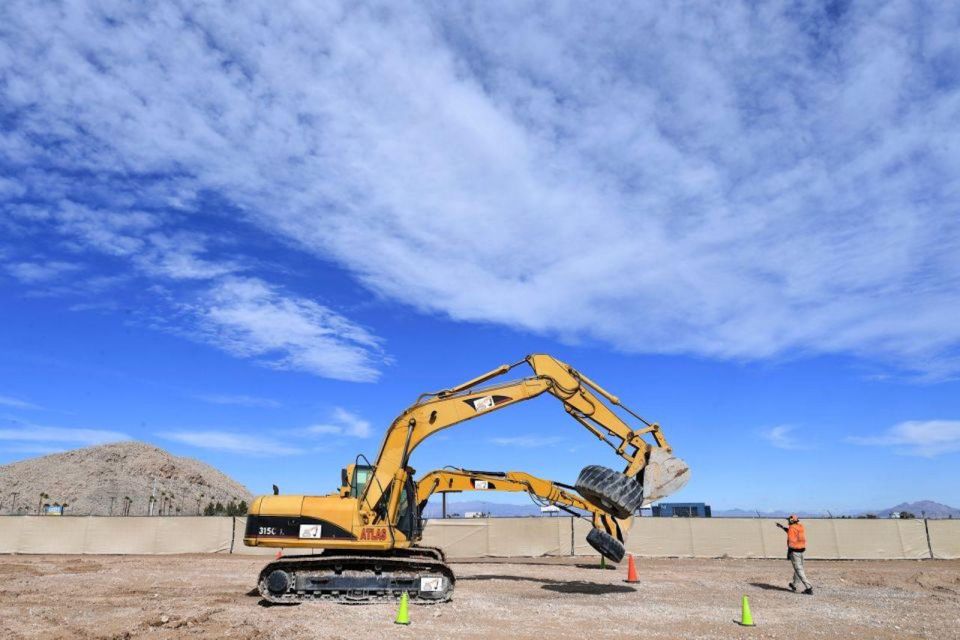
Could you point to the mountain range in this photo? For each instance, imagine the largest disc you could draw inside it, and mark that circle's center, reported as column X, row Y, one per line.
column 920, row 508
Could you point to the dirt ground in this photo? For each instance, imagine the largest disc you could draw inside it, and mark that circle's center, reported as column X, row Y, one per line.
column 206, row 596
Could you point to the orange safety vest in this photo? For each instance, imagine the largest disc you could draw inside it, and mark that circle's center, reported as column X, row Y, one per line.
column 796, row 537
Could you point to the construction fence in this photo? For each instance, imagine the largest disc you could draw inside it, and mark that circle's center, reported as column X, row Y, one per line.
column 836, row 539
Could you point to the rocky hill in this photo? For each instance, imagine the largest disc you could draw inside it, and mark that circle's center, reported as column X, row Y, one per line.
column 97, row 481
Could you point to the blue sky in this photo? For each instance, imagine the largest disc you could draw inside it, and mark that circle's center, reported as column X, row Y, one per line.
column 254, row 234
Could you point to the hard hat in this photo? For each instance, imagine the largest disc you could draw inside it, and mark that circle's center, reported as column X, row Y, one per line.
column 793, row 518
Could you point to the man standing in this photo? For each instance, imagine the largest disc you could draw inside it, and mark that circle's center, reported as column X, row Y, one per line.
column 796, row 545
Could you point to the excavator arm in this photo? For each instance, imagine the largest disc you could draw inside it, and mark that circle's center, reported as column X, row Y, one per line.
column 641, row 444
column 609, row 533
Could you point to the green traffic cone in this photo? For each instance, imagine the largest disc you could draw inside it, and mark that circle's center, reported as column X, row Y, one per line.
column 403, row 613
column 746, row 619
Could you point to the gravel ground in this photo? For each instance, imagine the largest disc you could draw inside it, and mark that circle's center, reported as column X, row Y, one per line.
column 205, row 596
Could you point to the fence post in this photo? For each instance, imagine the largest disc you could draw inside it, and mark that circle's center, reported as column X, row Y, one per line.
column 926, row 528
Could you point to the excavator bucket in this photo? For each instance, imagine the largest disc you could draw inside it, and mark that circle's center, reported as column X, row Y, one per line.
column 664, row 475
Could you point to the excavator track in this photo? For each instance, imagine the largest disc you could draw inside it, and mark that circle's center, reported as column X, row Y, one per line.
column 359, row 578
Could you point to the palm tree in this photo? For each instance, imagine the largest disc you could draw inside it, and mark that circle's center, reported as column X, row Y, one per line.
column 43, row 496
column 199, row 500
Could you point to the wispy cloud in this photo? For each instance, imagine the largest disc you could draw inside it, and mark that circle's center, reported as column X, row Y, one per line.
column 343, row 422
column 783, row 437
column 526, row 442
column 41, row 272
column 239, row 400
column 731, row 162
column 16, row 403
column 36, row 433
column 231, row 442
column 249, row 318
column 927, row 438
column 32, row 449
column 244, row 316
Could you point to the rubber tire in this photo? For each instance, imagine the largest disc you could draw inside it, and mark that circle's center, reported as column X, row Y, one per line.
column 606, row 545
column 610, row 490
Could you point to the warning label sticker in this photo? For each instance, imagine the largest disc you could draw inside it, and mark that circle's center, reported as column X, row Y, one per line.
column 481, row 484
column 431, row 584
column 309, row 531
column 482, row 404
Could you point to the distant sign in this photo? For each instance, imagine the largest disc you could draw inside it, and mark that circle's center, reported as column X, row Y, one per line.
column 52, row 510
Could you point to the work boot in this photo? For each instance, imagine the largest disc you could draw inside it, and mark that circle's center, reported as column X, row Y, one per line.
column 792, row 588
column 808, row 591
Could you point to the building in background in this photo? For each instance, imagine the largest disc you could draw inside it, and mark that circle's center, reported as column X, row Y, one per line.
column 681, row 510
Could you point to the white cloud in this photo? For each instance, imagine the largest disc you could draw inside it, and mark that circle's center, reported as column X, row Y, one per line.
column 16, row 403
column 230, row 442
column 239, row 400
column 249, row 318
column 39, row 272
column 927, row 438
column 782, row 437
column 245, row 316
column 343, row 422
column 526, row 442
column 735, row 184
column 36, row 433
column 32, row 449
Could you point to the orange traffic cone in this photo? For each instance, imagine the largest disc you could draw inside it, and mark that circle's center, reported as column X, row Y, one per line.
column 631, row 570
column 279, row 553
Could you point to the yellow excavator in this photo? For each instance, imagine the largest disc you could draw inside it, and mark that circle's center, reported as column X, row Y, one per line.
column 369, row 529
column 607, row 536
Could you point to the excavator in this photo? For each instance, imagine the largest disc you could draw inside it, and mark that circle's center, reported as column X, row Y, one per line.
column 369, row 529
column 607, row 536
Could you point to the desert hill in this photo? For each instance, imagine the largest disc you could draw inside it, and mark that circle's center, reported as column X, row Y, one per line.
column 97, row 480
column 929, row 508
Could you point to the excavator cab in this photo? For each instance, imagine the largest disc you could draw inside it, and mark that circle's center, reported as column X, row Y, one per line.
column 353, row 479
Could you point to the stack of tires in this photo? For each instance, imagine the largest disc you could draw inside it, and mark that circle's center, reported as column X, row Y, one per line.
column 616, row 494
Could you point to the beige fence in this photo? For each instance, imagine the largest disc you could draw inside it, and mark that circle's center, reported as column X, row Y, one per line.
column 503, row 537
column 945, row 538
column 47, row 534
column 760, row 538
column 506, row 537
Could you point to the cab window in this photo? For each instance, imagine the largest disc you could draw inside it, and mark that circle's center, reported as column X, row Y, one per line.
column 361, row 476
